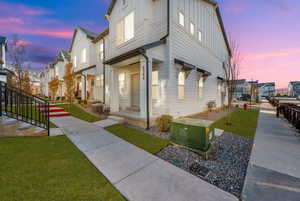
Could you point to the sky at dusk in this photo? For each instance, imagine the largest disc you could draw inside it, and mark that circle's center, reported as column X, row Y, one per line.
column 268, row 32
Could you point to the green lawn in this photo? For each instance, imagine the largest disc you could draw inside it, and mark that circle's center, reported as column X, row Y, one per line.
column 80, row 113
column 49, row 169
column 149, row 143
column 242, row 123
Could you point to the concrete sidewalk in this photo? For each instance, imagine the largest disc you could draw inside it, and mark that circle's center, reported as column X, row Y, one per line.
column 274, row 169
column 138, row 175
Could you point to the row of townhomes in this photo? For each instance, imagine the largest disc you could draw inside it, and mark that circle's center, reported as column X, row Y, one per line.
column 156, row 57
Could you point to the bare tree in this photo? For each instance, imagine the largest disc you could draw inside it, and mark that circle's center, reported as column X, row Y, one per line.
column 17, row 55
column 231, row 70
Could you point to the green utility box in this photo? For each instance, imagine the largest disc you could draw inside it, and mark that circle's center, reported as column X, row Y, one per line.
column 193, row 133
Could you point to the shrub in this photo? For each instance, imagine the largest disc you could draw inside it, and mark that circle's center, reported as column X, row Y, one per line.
column 211, row 105
column 164, row 122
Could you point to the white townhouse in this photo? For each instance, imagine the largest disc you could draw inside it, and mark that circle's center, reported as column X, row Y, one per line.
column 163, row 57
column 3, row 49
column 156, row 57
column 266, row 89
column 62, row 59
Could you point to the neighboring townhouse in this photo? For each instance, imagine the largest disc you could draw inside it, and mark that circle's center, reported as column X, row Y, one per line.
column 294, row 89
column 3, row 49
column 35, row 81
column 62, row 59
column 242, row 89
column 83, row 55
column 266, row 89
column 164, row 57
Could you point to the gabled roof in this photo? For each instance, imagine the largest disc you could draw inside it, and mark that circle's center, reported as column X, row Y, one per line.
column 212, row 2
column 89, row 34
column 66, row 55
column 3, row 41
column 101, row 35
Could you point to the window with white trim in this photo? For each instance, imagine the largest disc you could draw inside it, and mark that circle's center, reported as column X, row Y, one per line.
column 200, row 36
column 181, row 83
column 192, row 28
column 122, row 84
column 200, row 87
column 125, row 29
column 83, row 55
column 75, row 61
column 155, row 87
column 101, row 50
column 56, row 70
column 181, row 18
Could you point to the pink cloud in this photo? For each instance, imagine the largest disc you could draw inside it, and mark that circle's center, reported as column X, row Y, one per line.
column 236, row 7
column 257, row 56
column 9, row 20
column 21, row 9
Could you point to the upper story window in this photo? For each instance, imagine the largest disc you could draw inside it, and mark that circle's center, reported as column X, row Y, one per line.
column 75, row 61
column 125, row 29
column 155, row 87
column 192, row 28
column 83, row 56
column 56, row 71
column 181, row 18
column 101, row 51
column 200, row 87
column 181, row 83
column 200, row 36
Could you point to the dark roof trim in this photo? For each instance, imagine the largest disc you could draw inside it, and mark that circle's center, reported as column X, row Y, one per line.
column 134, row 52
column 90, row 35
column 220, row 78
column 111, row 6
column 101, row 35
column 188, row 66
column 85, row 69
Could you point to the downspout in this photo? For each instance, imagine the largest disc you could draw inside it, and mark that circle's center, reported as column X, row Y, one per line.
column 168, row 21
column 147, row 88
column 104, row 81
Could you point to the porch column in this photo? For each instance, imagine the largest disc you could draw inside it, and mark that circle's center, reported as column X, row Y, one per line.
column 143, row 89
column 114, row 91
column 83, row 87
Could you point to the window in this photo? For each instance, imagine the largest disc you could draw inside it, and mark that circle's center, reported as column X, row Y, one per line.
column 125, row 29
column 200, row 36
column 181, row 19
column 155, row 87
column 56, row 71
column 83, row 56
column 101, row 50
column 181, row 82
column 200, row 87
column 192, row 27
column 122, row 84
column 75, row 61
column 99, row 81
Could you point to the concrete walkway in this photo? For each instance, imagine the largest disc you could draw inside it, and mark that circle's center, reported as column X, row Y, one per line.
column 274, row 169
column 138, row 175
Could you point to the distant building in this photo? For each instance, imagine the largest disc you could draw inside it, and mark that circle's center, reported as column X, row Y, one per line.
column 282, row 92
column 243, row 88
column 294, row 88
column 266, row 89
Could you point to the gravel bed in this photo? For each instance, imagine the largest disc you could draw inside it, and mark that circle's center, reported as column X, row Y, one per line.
column 226, row 169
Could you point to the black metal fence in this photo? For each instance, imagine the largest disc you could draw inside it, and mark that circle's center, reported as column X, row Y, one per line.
column 289, row 111
column 24, row 107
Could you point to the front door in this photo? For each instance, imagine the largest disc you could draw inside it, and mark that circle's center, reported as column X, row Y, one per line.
column 135, row 90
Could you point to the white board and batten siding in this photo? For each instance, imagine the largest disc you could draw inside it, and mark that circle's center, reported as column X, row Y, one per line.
column 209, row 54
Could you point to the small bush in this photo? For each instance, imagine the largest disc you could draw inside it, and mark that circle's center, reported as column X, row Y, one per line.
column 164, row 122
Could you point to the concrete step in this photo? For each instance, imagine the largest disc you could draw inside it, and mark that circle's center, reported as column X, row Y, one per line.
column 24, row 126
column 59, row 114
column 120, row 120
column 44, row 106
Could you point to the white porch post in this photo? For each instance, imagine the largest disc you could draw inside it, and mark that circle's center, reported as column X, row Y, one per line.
column 143, row 87
column 114, row 91
column 83, row 87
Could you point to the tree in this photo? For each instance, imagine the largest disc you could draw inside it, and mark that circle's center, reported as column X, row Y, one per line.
column 69, row 79
column 231, row 71
column 26, row 85
column 53, row 86
column 17, row 55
